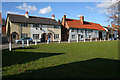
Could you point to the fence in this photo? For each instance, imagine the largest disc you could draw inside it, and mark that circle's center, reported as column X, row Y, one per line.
column 36, row 43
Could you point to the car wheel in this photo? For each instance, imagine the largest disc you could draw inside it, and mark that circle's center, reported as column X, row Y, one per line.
column 30, row 42
column 19, row 42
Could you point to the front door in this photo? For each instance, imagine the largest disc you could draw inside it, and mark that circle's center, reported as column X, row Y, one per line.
column 100, row 35
column 43, row 37
column 79, row 37
column 14, row 37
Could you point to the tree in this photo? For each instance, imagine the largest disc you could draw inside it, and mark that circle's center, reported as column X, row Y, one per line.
column 114, row 15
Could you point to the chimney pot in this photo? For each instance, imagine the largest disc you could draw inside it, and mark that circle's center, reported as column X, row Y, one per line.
column 53, row 17
column 64, row 16
column 82, row 19
column 27, row 14
column 58, row 20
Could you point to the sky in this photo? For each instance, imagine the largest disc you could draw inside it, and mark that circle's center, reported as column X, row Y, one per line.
column 91, row 11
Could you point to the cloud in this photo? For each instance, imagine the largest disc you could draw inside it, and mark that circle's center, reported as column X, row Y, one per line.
column 26, row 7
column 45, row 10
column 79, row 15
column 105, row 6
column 107, row 3
column 12, row 12
column 91, row 8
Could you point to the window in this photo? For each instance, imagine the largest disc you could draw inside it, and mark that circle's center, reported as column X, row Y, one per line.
column 89, row 36
column 96, row 32
column 56, row 36
column 90, row 31
column 81, row 31
column 35, row 36
column 24, row 25
column 72, row 30
column 24, row 35
column 55, row 26
column 82, row 36
column 35, row 25
column 73, row 36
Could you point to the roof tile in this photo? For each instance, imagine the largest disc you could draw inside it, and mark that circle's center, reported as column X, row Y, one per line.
column 86, row 25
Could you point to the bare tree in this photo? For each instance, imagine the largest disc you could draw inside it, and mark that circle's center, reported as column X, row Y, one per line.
column 114, row 16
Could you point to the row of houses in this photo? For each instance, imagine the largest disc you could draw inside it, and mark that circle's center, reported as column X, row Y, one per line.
column 43, row 29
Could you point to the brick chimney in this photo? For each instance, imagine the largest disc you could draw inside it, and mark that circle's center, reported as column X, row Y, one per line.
column 53, row 17
column 27, row 14
column 82, row 19
column 63, row 21
column 108, row 26
column 58, row 20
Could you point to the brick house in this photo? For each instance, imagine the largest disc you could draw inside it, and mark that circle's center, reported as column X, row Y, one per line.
column 38, row 28
column 79, row 30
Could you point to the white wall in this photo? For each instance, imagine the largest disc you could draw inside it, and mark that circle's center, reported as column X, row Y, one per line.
column 36, row 30
column 95, row 34
column 86, row 33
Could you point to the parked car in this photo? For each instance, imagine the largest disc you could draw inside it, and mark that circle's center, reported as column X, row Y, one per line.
column 19, row 41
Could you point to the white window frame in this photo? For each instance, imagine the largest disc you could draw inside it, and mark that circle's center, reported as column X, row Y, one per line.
column 24, row 24
column 24, row 35
column 56, row 36
column 35, row 36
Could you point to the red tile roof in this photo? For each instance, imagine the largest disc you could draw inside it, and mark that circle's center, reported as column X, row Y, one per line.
column 0, row 19
column 87, row 25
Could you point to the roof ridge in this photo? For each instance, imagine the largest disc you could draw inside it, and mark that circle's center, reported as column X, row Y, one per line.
column 84, row 21
column 30, row 16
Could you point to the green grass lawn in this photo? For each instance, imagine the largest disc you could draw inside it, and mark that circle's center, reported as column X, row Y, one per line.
column 72, row 60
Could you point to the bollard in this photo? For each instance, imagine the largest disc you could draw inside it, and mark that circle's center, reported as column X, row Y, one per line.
column 47, row 42
column 77, row 40
column 68, row 40
column 96, row 40
column 10, row 46
column 27, row 43
column 77, row 37
column 35, row 42
column 22, row 43
column 90, row 40
column 104, row 39
column 59, row 41
column 84, row 40
column 100, row 39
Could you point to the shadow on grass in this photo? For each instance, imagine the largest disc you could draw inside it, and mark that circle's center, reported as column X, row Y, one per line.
column 11, row 58
column 94, row 68
column 23, row 48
